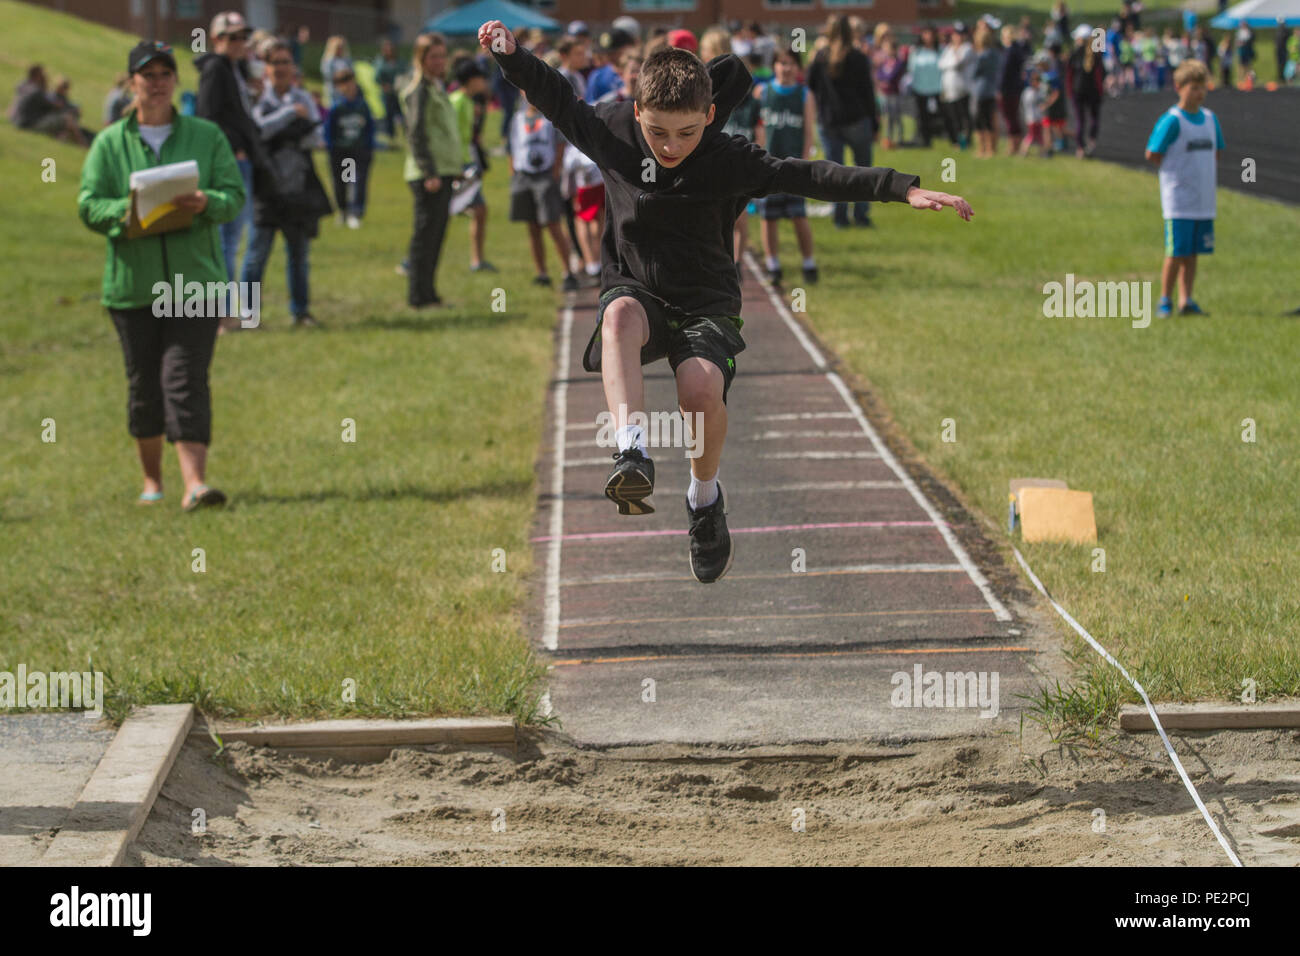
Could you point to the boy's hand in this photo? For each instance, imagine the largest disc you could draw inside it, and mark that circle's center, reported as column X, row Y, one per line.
column 919, row 198
column 495, row 38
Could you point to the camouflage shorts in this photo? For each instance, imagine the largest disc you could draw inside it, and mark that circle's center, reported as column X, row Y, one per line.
column 675, row 335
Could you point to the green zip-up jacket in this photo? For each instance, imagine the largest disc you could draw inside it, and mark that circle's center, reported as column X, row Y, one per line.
column 433, row 141
column 104, row 202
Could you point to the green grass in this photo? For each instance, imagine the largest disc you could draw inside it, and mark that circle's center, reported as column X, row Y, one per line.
column 372, row 561
column 369, row 561
column 945, row 320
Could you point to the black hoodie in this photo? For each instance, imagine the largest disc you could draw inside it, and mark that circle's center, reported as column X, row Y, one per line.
column 669, row 231
column 220, row 102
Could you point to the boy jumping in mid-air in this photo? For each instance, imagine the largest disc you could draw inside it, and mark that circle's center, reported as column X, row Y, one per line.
column 1184, row 145
column 674, row 186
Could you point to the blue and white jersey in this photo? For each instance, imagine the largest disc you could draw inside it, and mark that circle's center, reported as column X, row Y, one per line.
column 1190, row 143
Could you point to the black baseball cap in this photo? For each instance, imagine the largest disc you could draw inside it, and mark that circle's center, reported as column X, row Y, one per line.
column 146, row 52
column 616, row 39
column 467, row 70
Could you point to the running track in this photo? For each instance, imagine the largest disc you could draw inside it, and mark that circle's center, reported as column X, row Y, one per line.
column 768, row 654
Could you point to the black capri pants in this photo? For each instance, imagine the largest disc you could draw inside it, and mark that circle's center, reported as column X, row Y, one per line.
column 167, row 373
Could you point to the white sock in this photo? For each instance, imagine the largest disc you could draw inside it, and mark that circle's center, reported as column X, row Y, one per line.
column 593, row 269
column 773, row 263
column 810, row 263
column 701, row 494
column 630, row 435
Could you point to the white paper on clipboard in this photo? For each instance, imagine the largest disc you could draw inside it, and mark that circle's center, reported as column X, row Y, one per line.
column 155, row 188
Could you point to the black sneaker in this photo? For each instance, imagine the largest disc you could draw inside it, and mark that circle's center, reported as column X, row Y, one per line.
column 774, row 276
column 631, row 482
column 710, row 541
column 570, row 283
column 542, row 280
column 305, row 321
column 810, row 275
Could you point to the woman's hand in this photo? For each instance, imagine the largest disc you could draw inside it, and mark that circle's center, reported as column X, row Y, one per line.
column 919, row 198
column 432, row 184
column 194, row 202
column 495, row 38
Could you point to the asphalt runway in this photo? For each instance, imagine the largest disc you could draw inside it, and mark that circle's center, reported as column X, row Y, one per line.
column 770, row 654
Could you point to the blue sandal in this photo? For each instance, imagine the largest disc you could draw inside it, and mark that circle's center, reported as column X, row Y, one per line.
column 203, row 497
column 149, row 497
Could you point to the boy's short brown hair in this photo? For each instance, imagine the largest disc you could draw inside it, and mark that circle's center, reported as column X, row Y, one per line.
column 1190, row 71
column 674, row 81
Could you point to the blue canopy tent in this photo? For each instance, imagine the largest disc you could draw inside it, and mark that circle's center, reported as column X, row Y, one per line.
column 465, row 21
column 1260, row 14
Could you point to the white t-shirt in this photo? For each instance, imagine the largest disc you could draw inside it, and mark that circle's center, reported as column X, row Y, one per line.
column 1031, row 106
column 1188, row 172
column 532, row 142
column 155, row 136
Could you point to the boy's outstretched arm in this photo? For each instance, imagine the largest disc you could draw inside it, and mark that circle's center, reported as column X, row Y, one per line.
column 759, row 173
column 546, row 89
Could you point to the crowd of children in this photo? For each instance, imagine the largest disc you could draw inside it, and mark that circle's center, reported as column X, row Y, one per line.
column 970, row 84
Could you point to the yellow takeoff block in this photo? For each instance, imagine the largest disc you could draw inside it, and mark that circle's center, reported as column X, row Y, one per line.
column 1057, row 514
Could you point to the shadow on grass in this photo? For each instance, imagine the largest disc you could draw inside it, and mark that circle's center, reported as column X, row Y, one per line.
column 501, row 489
column 437, row 320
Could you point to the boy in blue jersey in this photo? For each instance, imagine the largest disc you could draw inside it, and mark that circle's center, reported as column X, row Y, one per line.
column 1184, row 145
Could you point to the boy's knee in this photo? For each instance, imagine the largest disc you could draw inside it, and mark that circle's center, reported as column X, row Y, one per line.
column 699, row 385
column 625, row 318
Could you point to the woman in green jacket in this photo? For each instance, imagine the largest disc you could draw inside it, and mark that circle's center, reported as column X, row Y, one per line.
column 433, row 162
column 167, row 347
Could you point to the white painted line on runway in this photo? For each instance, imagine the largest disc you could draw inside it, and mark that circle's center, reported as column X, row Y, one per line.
column 551, row 618
column 777, row 436
column 821, row 455
column 959, row 552
column 607, row 461
column 800, row 416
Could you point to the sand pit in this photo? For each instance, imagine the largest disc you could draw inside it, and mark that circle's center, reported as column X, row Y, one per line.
column 994, row 800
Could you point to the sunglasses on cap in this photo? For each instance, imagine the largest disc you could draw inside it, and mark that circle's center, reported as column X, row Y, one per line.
column 238, row 34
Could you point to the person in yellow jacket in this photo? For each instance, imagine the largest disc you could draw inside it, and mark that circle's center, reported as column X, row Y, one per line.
column 433, row 163
column 166, row 345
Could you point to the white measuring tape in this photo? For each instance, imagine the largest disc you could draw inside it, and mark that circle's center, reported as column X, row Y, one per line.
column 1146, row 700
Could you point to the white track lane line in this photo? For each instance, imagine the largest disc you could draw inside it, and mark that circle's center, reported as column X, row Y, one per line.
column 551, row 618
column 1196, row 797
column 976, row 576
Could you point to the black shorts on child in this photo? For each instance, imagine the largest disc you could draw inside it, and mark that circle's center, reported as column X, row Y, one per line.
column 676, row 335
column 535, row 197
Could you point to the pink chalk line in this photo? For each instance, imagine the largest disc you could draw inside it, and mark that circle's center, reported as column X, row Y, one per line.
column 769, row 528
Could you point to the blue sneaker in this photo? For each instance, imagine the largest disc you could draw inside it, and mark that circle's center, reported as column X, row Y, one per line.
column 1191, row 308
column 1165, row 308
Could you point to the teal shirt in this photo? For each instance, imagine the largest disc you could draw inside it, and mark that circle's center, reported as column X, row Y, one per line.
column 783, row 119
column 743, row 119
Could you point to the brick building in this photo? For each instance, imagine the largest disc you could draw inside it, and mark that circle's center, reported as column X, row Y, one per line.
column 365, row 21
column 361, row 20
column 696, row 15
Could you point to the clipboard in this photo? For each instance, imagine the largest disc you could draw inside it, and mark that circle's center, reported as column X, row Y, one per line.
column 172, row 220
